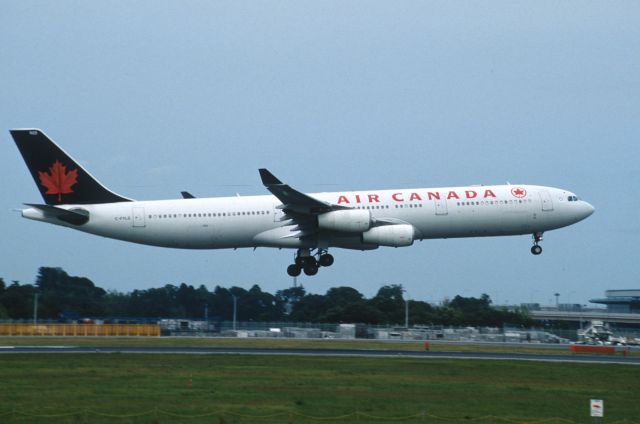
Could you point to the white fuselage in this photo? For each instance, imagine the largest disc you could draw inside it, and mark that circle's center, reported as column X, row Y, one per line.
column 257, row 221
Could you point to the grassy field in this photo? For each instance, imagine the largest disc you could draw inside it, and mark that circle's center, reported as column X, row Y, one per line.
column 99, row 388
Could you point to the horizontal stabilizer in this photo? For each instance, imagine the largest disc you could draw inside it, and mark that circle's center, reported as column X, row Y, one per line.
column 75, row 216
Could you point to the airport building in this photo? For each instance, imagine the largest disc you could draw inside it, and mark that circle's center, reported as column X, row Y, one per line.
column 621, row 301
column 622, row 309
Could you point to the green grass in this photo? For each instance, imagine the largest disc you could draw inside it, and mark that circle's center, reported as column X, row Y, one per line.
column 232, row 388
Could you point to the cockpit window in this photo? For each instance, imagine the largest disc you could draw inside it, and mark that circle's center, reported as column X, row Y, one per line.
column 572, row 198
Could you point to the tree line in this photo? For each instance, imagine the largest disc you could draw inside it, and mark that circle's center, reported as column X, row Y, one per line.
column 64, row 297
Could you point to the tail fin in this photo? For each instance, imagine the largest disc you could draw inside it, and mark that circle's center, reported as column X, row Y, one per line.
column 59, row 178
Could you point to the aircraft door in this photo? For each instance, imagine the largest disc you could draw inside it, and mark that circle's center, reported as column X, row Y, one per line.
column 138, row 217
column 545, row 200
column 441, row 207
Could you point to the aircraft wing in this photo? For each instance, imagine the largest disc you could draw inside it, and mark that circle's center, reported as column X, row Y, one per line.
column 293, row 200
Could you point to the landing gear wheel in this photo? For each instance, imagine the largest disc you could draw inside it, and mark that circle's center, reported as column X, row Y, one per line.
column 308, row 261
column 294, row 270
column 311, row 268
column 537, row 238
column 326, row 260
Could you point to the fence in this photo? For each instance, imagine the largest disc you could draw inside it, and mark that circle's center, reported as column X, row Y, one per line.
column 216, row 328
column 79, row 330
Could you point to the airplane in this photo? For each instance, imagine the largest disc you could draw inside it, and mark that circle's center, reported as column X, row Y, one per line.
column 310, row 223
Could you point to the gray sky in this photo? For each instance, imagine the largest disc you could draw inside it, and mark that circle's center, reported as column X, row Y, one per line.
column 157, row 97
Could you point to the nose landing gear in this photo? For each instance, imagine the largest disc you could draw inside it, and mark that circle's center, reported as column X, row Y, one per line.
column 305, row 261
column 536, row 249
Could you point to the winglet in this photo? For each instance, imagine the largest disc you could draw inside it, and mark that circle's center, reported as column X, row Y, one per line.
column 187, row 195
column 291, row 198
column 268, row 178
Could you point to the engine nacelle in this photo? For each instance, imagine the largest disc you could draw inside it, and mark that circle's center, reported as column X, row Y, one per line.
column 349, row 220
column 390, row 235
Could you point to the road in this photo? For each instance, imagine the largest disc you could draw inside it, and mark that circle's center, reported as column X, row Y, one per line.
column 597, row 359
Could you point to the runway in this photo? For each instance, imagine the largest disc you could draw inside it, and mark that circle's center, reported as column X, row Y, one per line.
column 372, row 353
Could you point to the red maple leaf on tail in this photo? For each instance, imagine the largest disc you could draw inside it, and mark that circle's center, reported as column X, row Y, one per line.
column 58, row 180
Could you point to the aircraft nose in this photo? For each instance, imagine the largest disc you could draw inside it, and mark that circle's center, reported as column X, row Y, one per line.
column 587, row 209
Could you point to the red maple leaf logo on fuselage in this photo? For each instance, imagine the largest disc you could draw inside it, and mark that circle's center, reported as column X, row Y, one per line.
column 58, row 180
column 518, row 192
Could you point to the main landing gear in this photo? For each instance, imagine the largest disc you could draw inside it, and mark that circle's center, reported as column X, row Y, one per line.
column 305, row 261
column 536, row 249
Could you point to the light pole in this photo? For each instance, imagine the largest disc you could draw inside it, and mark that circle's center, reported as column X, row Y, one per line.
column 406, row 310
column 235, row 306
column 406, row 314
column 35, row 309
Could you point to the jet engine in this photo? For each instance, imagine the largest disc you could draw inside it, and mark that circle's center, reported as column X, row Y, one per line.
column 350, row 220
column 399, row 235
